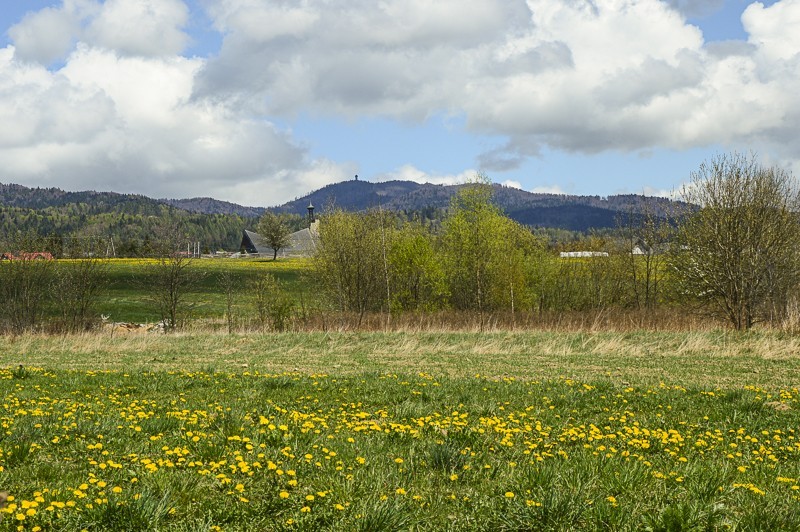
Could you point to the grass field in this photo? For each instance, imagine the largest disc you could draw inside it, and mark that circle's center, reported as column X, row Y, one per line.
column 126, row 298
column 392, row 431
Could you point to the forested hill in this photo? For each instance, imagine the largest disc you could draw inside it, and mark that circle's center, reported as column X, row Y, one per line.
column 127, row 219
column 12, row 195
column 576, row 213
column 130, row 219
column 214, row 206
column 38, row 198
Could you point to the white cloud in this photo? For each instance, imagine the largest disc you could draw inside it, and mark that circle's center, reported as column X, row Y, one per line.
column 124, row 109
column 45, row 36
column 129, row 124
column 276, row 189
column 773, row 29
column 512, row 184
column 140, row 27
column 673, row 193
column 548, row 189
column 151, row 28
column 410, row 173
column 577, row 76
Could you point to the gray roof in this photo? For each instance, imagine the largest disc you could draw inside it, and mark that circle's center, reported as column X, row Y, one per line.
column 302, row 243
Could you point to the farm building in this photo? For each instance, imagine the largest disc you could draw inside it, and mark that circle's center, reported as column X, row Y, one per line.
column 35, row 255
column 574, row 254
column 302, row 243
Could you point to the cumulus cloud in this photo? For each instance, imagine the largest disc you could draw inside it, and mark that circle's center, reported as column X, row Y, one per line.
column 548, row 189
column 411, row 173
column 577, row 76
column 128, row 124
column 129, row 27
column 673, row 193
column 45, row 36
column 124, row 107
column 140, row 27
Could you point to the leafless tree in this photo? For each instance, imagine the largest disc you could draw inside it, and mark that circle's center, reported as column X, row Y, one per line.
column 79, row 282
column 171, row 276
column 738, row 252
column 25, row 282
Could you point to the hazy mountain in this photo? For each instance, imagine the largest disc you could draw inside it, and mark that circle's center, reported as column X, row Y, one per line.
column 360, row 195
column 12, row 195
column 577, row 213
column 213, row 206
column 128, row 220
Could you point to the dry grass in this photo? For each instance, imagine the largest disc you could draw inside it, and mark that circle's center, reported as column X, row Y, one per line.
column 702, row 358
column 616, row 320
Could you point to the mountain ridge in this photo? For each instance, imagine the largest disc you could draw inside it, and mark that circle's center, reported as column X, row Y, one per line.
column 573, row 212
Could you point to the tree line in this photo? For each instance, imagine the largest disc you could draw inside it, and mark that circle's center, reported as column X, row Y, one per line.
column 131, row 226
column 732, row 251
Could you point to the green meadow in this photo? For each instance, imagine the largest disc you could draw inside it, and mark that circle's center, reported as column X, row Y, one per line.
column 401, row 431
column 125, row 298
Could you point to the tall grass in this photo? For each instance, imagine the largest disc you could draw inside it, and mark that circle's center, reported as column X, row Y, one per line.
column 715, row 358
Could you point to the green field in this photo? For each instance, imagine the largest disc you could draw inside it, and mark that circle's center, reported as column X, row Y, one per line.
column 126, row 298
column 392, row 431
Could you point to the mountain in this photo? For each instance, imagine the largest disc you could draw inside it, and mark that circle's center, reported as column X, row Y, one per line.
column 576, row 213
column 213, row 206
column 360, row 195
column 129, row 220
column 52, row 210
column 12, row 195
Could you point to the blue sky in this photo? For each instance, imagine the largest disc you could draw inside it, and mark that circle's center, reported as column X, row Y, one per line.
column 260, row 101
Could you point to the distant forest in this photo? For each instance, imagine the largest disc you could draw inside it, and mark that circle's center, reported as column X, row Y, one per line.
column 130, row 220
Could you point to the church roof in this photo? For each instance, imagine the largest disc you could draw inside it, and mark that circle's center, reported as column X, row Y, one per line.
column 302, row 243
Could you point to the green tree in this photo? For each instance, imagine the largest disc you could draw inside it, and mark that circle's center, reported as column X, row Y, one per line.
column 350, row 262
column 275, row 231
column 469, row 232
column 416, row 274
column 273, row 305
column 487, row 256
column 738, row 250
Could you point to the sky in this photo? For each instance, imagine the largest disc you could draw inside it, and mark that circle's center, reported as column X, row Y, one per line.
column 261, row 101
